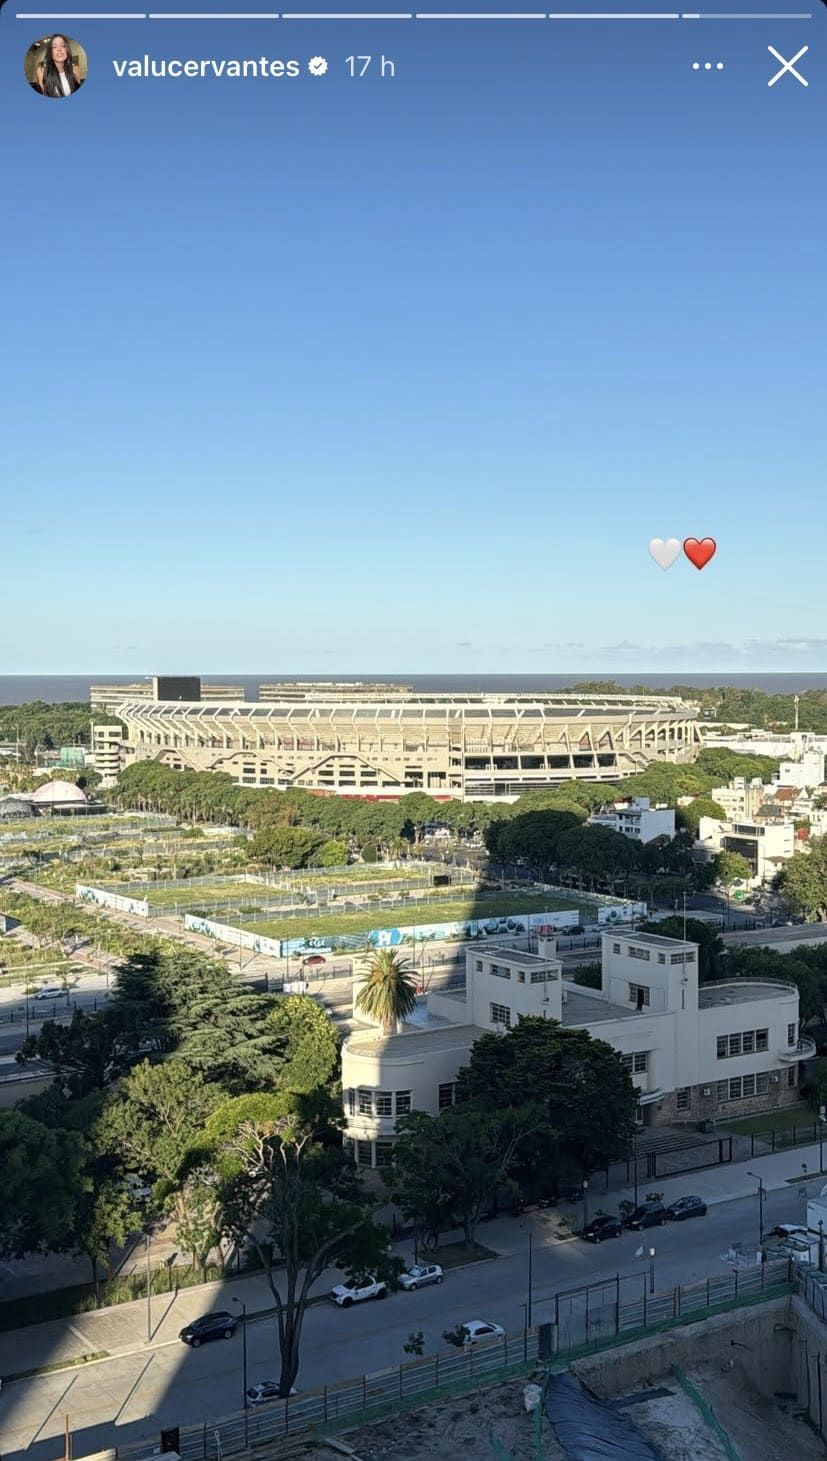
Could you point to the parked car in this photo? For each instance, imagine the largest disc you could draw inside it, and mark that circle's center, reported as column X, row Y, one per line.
column 477, row 1329
column 419, row 1274
column 219, row 1325
column 51, row 991
column 787, row 1230
column 345, row 1294
column 647, row 1215
column 312, row 959
column 605, row 1226
column 265, row 1390
column 686, row 1207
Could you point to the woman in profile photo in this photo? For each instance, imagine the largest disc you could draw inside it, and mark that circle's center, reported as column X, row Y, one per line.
column 57, row 74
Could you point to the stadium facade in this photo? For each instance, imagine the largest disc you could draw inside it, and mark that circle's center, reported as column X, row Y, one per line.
column 384, row 741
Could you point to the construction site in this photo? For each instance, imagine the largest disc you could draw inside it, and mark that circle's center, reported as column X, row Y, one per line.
column 746, row 1385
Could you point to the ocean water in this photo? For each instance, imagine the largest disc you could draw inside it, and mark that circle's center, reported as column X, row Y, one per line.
column 18, row 689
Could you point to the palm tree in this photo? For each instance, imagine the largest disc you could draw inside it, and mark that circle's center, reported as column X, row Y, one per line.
column 388, row 989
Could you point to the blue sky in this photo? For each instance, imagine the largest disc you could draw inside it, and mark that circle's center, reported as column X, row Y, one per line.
column 405, row 374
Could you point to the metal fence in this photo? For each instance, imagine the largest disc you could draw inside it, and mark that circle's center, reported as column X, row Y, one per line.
column 598, row 1314
column 778, row 1139
column 351, row 1402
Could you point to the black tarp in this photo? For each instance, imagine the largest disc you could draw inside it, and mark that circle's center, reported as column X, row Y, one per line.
column 590, row 1430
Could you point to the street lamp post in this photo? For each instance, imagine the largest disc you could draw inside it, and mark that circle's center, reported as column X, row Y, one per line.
column 148, row 1287
column 634, row 1158
column 530, row 1276
column 822, row 1116
column 243, row 1360
column 585, row 1202
column 760, row 1182
column 651, row 1270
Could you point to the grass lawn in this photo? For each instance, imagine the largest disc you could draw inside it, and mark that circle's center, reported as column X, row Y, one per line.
column 445, row 910
column 771, row 1121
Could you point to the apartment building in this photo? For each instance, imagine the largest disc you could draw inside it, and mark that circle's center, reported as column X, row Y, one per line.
column 694, row 1052
column 766, row 845
column 636, row 818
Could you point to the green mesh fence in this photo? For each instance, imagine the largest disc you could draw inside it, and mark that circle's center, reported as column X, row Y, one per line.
column 705, row 1409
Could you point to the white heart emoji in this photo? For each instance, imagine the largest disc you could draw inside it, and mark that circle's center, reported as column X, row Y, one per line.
column 664, row 551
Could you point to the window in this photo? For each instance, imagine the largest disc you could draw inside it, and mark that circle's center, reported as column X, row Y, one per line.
column 539, row 976
column 748, row 1085
column 661, row 958
column 384, row 1153
column 689, row 957
column 641, row 1061
column 499, row 971
column 403, row 1103
column 364, row 1153
column 677, row 958
column 762, row 1039
column 639, row 994
column 722, row 1047
column 365, row 1104
column 682, row 1099
column 478, row 965
column 735, row 1088
column 762, row 1085
column 633, row 952
column 521, row 976
column 722, row 1090
column 748, row 1042
column 615, row 948
column 446, row 1095
column 791, row 1034
column 735, row 1045
column 791, row 1076
column 500, row 1015
column 384, row 1103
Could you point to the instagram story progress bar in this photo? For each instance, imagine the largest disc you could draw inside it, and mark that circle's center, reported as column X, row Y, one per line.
column 424, row 16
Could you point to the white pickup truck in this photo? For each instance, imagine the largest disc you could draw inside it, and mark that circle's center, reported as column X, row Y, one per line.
column 346, row 1294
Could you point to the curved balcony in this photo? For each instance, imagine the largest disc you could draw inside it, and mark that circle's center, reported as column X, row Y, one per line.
column 805, row 1049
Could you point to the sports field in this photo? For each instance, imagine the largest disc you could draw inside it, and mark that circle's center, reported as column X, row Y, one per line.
column 480, row 905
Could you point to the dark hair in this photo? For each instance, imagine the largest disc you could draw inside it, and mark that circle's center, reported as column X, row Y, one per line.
column 51, row 73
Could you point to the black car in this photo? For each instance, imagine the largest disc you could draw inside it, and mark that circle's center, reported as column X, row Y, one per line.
column 686, row 1207
column 647, row 1215
column 210, row 1326
column 605, row 1226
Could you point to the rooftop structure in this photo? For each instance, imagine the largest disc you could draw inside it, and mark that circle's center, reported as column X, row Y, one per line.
column 384, row 741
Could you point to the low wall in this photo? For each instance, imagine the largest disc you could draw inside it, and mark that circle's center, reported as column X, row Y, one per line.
column 104, row 899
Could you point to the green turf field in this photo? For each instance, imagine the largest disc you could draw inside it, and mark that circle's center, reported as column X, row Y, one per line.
column 446, row 910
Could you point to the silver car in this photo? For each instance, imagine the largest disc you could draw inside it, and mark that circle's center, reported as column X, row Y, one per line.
column 419, row 1274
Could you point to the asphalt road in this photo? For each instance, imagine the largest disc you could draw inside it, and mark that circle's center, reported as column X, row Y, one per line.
column 129, row 1398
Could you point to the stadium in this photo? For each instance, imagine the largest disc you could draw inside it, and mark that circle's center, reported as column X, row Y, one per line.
column 384, row 741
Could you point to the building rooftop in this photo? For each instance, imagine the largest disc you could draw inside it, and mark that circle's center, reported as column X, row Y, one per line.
column 741, row 991
column 582, row 1009
column 416, row 1041
column 518, row 956
column 654, row 940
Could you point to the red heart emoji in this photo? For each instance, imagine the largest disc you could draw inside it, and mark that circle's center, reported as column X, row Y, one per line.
column 699, row 551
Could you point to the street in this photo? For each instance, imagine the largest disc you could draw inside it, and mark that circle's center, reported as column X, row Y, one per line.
column 128, row 1398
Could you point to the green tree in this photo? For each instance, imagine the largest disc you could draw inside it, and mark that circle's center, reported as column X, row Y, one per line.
column 197, row 1211
column 731, row 867
column 387, row 992
column 87, row 1054
column 290, row 847
column 289, row 1190
column 452, row 1165
column 689, row 817
column 333, row 853
column 43, row 1186
column 803, row 881
column 105, row 1217
column 587, row 1094
column 309, row 1044
column 151, row 1119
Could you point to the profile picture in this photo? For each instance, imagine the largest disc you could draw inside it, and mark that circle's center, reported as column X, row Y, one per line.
column 55, row 66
